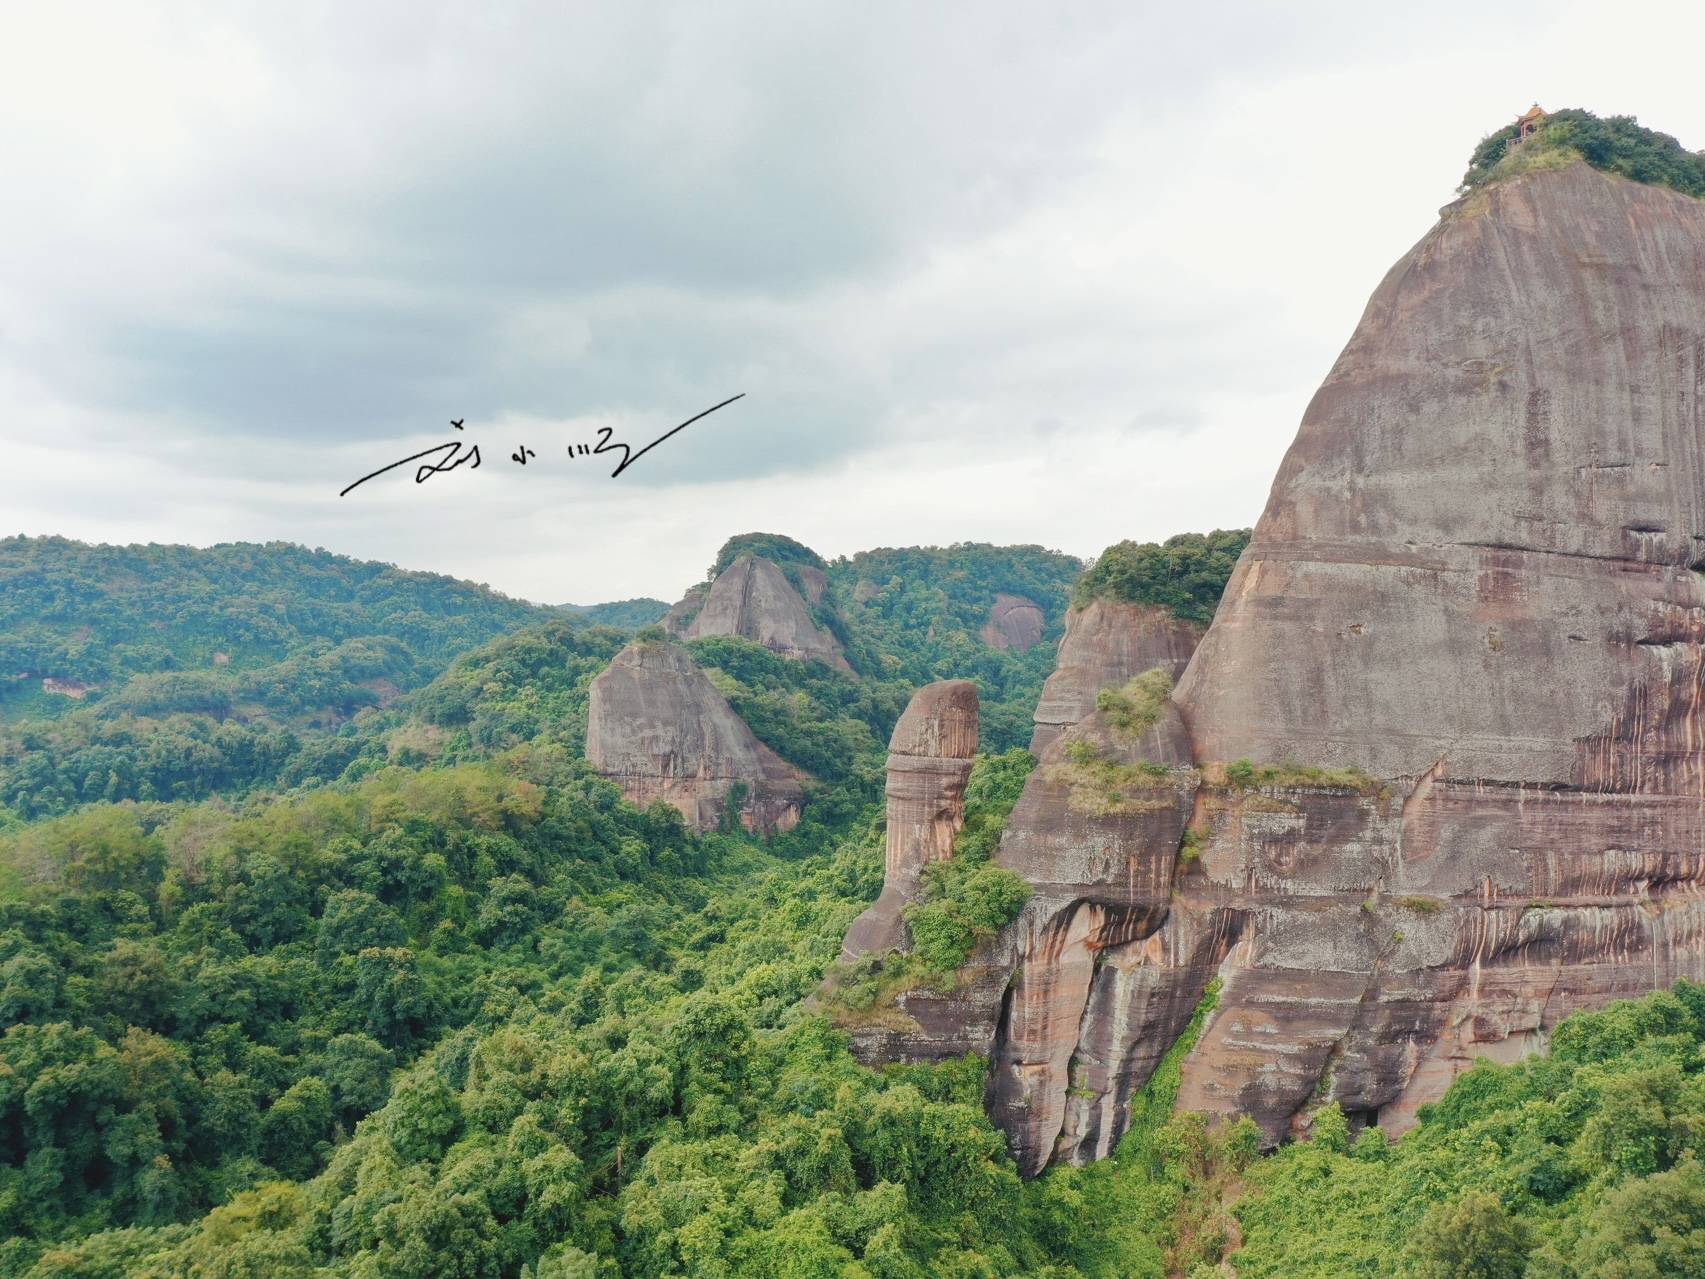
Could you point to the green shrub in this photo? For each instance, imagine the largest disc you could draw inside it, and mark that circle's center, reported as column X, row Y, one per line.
column 1471, row 1238
column 1185, row 574
column 967, row 898
column 1616, row 144
column 1134, row 707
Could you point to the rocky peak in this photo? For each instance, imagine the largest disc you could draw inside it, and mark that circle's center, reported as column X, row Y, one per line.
column 929, row 762
column 1450, row 781
column 754, row 599
column 1016, row 622
column 658, row 728
column 1106, row 643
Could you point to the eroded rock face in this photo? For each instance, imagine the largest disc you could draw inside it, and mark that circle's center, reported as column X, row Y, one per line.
column 929, row 762
column 1082, row 834
column 1477, row 581
column 658, row 728
column 1015, row 623
column 1473, row 581
column 752, row 598
column 1106, row 643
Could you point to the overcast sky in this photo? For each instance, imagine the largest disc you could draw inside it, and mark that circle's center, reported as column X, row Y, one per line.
column 1052, row 273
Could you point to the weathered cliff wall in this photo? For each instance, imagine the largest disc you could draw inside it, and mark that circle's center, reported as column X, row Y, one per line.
column 1106, row 643
column 752, row 598
column 929, row 762
column 1015, row 623
column 1464, row 651
column 1474, row 580
column 658, row 728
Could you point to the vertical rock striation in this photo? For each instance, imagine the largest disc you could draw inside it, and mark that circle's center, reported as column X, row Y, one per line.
column 929, row 761
column 753, row 598
column 658, row 728
column 1464, row 653
column 1475, row 579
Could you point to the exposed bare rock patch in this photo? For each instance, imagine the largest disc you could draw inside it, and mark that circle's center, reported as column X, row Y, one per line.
column 1447, row 725
column 929, row 762
column 1015, row 623
column 1106, row 643
column 658, row 728
column 753, row 598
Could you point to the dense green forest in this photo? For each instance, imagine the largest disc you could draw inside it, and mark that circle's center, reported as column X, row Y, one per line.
column 628, row 615
column 102, row 614
column 1185, row 574
column 914, row 615
column 420, row 995
column 1617, row 144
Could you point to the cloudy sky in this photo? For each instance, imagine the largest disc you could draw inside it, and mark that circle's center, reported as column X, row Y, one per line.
column 1027, row 272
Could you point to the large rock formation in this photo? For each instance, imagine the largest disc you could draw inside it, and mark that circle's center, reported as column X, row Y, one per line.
column 1464, row 651
column 1106, row 643
column 753, row 598
column 929, row 761
column 1476, row 580
column 1015, row 623
column 658, row 728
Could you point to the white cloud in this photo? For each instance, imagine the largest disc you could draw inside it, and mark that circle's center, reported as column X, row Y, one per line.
column 1024, row 274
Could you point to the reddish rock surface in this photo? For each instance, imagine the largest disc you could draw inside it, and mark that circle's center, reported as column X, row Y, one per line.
column 1106, row 643
column 1473, row 581
column 929, row 761
column 752, row 598
column 658, row 728
column 1015, row 623
column 1478, row 579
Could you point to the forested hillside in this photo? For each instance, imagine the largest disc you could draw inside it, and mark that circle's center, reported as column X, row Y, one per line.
column 169, row 672
column 101, row 615
column 420, row 995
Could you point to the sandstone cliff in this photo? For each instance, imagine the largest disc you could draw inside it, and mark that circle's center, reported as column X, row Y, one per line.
column 1015, row 623
column 1464, row 652
column 658, row 728
column 753, row 598
column 1106, row 643
column 1474, row 580
column 929, row 761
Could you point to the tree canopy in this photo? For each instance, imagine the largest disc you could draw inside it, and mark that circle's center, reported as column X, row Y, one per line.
column 1617, row 144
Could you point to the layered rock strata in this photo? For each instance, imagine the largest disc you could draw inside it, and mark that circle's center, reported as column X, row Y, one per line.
column 658, row 728
column 1477, row 580
column 929, row 762
column 1106, row 643
column 753, row 598
column 1464, row 651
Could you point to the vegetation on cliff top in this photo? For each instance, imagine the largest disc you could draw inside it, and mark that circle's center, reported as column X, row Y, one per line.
column 1616, row 144
column 1185, row 574
column 778, row 548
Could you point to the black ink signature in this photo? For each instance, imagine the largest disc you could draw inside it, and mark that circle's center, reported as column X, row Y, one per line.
column 629, row 457
column 452, row 455
column 449, row 462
